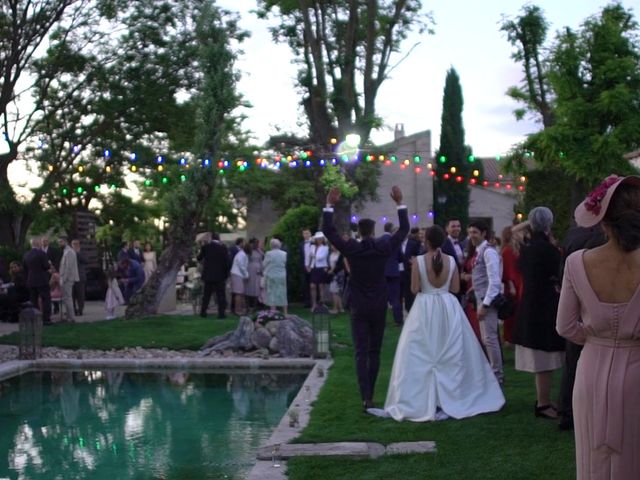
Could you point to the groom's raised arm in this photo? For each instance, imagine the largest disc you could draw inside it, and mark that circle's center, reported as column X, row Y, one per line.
column 329, row 230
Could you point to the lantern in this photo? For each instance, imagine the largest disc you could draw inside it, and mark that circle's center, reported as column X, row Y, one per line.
column 30, row 346
column 321, row 325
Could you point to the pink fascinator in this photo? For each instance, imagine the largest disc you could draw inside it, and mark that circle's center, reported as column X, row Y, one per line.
column 592, row 210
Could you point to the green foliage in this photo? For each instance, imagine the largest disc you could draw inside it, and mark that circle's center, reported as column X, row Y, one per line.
column 550, row 188
column 451, row 198
column 289, row 231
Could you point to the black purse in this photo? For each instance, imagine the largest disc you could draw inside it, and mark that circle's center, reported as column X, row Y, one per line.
column 504, row 305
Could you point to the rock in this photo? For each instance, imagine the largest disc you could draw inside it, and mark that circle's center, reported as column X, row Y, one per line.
column 295, row 337
column 273, row 345
column 261, row 338
column 273, row 326
column 215, row 340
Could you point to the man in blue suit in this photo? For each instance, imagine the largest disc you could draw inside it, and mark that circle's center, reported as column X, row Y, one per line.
column 392, row 275
column 368, row 286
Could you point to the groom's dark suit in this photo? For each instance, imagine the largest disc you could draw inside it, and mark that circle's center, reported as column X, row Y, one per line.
column 368, row 288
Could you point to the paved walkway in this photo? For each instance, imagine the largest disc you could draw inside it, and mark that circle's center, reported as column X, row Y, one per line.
column 94, row 311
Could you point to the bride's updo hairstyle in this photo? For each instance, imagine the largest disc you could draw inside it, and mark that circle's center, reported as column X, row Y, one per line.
column 435, row 238
column 623, row 216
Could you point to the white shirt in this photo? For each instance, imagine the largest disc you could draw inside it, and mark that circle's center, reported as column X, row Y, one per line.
column 240, row 264
column 318, row 257
column 494, row 272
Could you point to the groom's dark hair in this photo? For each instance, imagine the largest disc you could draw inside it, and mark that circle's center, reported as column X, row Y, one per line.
column 366, row 227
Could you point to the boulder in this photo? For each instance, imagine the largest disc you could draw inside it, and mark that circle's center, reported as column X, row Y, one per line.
column 273, row 345
column 260, row 338
column 295, row 337
column 272, row 326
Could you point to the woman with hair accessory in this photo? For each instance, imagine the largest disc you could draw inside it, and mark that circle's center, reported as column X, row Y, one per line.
column 600, row 308
column 539, row 349
column 439, row 370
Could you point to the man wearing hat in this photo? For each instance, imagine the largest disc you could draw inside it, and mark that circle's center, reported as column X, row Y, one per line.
column 368, row 285
column 68, row 275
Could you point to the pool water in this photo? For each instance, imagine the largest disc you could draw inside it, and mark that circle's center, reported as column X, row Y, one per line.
column 120, row 425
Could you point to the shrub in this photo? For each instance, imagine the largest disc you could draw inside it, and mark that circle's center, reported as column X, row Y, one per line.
column 288, row 230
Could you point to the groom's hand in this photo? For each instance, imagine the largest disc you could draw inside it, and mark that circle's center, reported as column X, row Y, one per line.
column 333, row 196
column 396, row 194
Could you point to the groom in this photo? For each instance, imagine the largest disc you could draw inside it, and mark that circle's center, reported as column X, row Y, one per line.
column 368, row 286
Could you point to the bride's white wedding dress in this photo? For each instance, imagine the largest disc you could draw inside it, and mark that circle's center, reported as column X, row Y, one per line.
column 439, row 369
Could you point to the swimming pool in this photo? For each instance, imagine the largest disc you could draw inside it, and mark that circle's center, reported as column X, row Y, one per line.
column 110, row 424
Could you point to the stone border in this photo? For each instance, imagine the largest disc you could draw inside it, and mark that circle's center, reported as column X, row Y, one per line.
column 284, row 433
column 17, row 367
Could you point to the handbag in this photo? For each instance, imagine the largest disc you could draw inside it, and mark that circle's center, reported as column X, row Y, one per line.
column 504, row 305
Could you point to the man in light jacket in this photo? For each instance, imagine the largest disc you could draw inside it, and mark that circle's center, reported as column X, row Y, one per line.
column 68, row 276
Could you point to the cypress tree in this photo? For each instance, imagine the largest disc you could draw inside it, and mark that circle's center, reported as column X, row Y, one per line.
column 454, row 163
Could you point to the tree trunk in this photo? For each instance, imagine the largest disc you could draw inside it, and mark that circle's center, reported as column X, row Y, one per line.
column 147, row 300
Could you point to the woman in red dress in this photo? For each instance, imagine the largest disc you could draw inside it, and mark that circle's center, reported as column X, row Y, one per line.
column 511, row 278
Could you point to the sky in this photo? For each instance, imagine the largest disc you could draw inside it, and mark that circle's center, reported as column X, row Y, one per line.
column 467, row 37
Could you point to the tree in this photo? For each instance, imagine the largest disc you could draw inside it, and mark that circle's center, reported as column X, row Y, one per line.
column 344, row 49
column 216, row 99
column 85, row 87
column 527, row 33
column 25, row 26
column 593, row 78
column 455, row 165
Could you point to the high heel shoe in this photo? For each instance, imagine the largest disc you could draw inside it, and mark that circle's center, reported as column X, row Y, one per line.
column 542, row 411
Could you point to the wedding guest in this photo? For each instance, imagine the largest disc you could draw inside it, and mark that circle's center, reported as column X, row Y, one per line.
column 409, row 249
column 37, row 266
column 135, row 252
column 114, row 296
column 577, row 238
column 68, row 276
column 215, row 271
column 123, row 252
column 486, row 279
column 254, row 267
column 511, row 279
column 600, row 308
column 303, row 248
column 14, row 294
column 469, row 297
column 368, row 288
column 539, row 349
column 336, row 271
column 53, row 254
column 392, row 275
column 150, row 261
column 274, row 268
column 239, row 278
column 79, row 287
column 317, row 265
column 454, row 245
column 133, row 278
column 233, row 251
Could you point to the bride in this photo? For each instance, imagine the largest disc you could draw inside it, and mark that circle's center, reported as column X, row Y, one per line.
column 439, row 370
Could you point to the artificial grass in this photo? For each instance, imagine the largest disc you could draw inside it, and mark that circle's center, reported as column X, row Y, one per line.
column 510, row 444
column 176, row 332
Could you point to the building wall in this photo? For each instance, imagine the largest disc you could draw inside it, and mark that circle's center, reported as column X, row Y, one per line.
column 417, row 188
column 489, row 203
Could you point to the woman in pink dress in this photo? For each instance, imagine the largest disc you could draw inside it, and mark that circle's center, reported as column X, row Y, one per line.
column 600, row 308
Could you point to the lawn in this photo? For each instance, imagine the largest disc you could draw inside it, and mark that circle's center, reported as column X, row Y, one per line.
column 511, row 444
